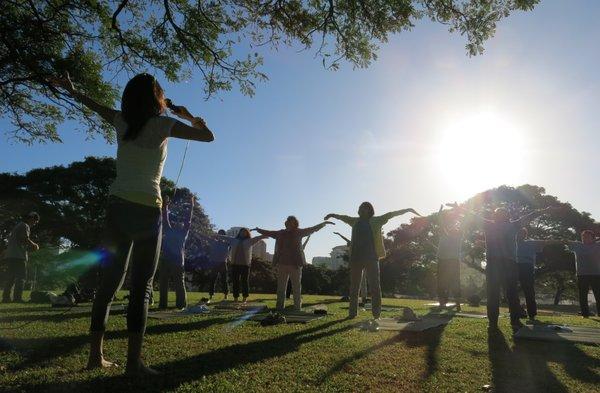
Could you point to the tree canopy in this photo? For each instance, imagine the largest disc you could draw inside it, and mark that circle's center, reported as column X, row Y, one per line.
column 91, row 39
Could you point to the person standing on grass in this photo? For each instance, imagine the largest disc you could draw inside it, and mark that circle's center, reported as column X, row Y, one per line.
column 527, row 251
column 364, row 289
column 134, row 224
column 172, row 266
column 241, row 259
column 366, row 250
column 501, row 268
column 16, row 256
column 587, row 267
column 218, row 257
column 288, row 291
column 289, row 258
column 448, row 257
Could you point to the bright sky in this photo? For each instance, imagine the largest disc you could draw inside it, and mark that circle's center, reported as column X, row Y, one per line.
column 423, row 125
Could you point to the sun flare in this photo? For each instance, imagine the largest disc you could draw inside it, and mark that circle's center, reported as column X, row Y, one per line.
column 480, row 151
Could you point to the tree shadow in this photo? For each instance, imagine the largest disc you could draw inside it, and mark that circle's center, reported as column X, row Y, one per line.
column 190, row 369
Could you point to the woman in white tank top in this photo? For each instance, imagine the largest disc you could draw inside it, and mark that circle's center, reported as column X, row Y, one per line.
column 133, row 216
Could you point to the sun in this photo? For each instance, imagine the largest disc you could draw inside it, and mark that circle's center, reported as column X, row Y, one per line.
column 480, row 151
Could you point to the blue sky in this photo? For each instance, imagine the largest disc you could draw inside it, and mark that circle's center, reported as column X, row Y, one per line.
column 313, row 141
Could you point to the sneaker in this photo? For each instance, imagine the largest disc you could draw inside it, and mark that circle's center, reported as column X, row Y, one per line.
column 245, row 300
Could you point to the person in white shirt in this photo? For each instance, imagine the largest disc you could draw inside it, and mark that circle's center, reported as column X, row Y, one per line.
column 134, row 224
column 448, row 257
column 587, row 267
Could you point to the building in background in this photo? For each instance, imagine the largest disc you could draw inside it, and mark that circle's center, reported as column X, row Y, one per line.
column 335, row 260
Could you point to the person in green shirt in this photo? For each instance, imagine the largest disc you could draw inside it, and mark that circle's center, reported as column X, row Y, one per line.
column 366, row 250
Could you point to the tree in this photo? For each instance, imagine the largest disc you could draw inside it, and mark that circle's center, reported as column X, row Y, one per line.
column 93, row 38
column 555, row 266
column 72, row 203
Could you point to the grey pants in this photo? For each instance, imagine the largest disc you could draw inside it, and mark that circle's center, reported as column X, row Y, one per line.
column 134, row 233
column 356, row 273
column 172, row 270
column 294, row 274
column 15, row 277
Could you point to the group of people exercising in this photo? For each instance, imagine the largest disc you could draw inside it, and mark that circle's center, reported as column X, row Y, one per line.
column 137, row 215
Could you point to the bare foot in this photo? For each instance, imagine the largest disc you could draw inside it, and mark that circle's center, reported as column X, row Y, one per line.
column 100, row 363
column 140, row 369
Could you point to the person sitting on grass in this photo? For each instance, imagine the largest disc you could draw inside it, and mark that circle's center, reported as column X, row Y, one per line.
column 501, row 268
column 289, row 258
column 134, row 207
column 16, row 256
column 241, row 259
column 218, row 257
column 172, row 266
column 366, row 250
column 587, row 267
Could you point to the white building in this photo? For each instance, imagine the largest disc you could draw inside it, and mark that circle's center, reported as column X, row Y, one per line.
column 335, row 260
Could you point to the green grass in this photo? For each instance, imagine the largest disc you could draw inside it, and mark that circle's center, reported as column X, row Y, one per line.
column 217, row 354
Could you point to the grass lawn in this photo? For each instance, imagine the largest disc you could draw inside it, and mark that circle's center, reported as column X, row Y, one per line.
column 219, row 353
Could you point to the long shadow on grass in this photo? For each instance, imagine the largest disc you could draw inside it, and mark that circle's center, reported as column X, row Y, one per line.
column 39, row 351
column 526, row 367
column 191, row 369
column 429, row 338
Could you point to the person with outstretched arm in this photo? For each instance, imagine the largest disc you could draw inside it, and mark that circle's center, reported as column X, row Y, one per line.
column 241, row 259
column 134, row 223
column 218, row 257
column 289, row 258
column 16, row 256
column 527, row 250
column 501, row 266
column 366, row 250
column 449, row 255
column 172, row 263
column 587, row 267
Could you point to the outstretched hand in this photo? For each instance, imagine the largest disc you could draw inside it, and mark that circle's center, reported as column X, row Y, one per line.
column 453, row 205
column 327, row 217
column 328, row 223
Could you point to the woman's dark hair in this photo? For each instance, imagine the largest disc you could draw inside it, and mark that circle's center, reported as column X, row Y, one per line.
column 369, row 206
column 293, row 219
column 143, row 98
column 244, row 233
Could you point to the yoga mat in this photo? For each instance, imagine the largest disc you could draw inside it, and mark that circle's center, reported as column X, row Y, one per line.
column 462, row 315
column 393, row 324
column 291, row 317
column 188, row 312
column 239, row 306
column 559, row 333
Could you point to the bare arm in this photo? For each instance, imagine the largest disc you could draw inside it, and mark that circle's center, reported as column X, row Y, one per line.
column 480, row 219
column 197, row 132
column 273, row 234
column 343, row 237
column 188, row 222
column 305, row 242
column 105, row 112
column 311, row 230
column 388, row 216
column 165, row 213
column 347, row 219
column 524, row 220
